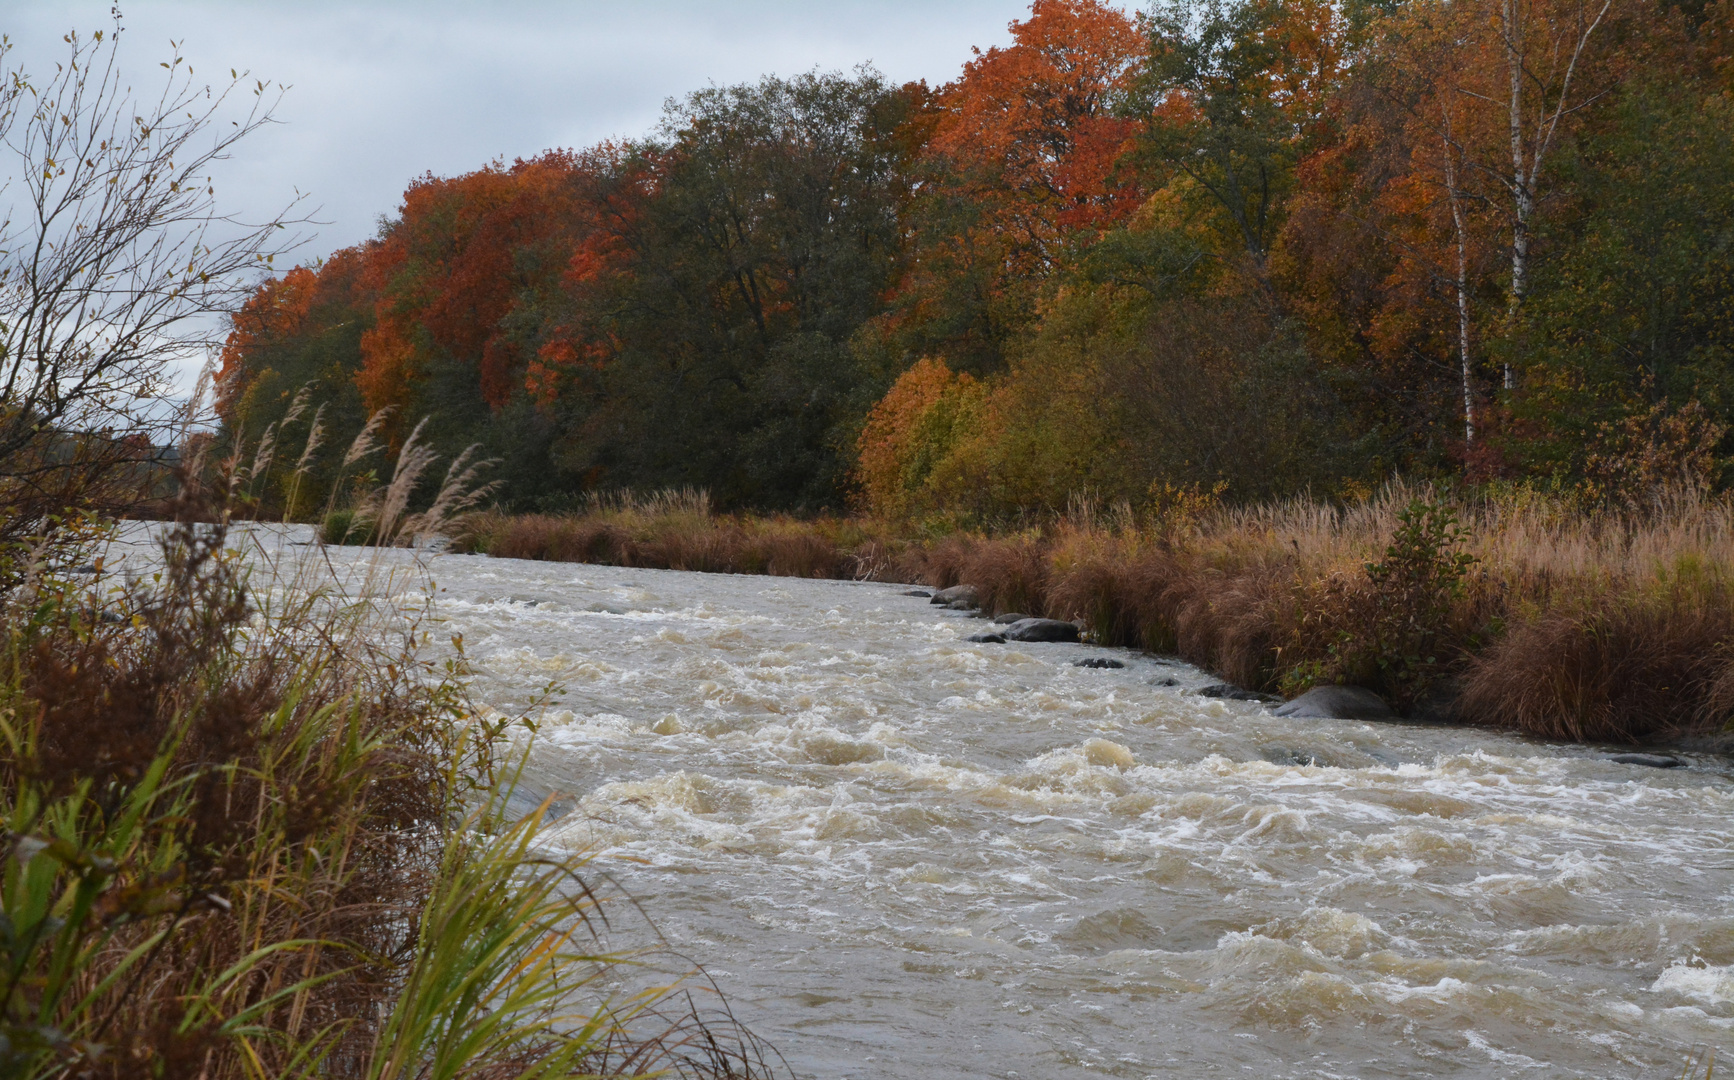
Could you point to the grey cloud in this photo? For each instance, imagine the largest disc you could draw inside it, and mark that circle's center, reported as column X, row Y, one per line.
column 384, row 92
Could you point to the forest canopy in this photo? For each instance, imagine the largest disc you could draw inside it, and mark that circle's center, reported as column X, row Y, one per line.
column 1252, row 248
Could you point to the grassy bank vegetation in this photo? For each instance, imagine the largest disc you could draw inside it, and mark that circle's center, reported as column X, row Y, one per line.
column 251, row 833
column 678, row 530
column 1512, row 608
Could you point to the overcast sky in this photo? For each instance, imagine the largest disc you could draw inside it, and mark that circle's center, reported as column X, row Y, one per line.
column 382, row 92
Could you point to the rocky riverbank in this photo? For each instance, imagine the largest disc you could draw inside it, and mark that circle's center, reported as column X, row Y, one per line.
column 1526, row 615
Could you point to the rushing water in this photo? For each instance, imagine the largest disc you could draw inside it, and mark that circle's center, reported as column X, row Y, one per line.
column 904, row 855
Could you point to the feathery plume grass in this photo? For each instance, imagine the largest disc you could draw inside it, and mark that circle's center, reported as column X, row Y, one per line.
column 254, row 831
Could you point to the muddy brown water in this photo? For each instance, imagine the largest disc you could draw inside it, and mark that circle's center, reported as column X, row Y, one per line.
column 904, row 855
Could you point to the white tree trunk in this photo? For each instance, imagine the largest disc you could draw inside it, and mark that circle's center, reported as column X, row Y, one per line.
column 1531, row 142
column 1457, row 227
column 1524, row 204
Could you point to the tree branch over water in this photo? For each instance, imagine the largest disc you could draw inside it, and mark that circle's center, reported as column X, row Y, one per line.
column 113, row 252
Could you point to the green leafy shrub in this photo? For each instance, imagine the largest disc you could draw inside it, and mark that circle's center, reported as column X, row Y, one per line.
column 1416, row 587
column 1395, row 629
column 342, row 527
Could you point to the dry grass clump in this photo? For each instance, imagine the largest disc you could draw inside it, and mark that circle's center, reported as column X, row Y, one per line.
column 1624, row 665
column 676, row 531
column 939, row 563
column 1619, row 627
column 1010, row 573
column 1612, row 626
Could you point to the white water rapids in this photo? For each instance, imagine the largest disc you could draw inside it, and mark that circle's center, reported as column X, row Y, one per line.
column 904, row 855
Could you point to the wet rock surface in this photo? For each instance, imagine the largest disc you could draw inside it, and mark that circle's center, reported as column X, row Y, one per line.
column 1041, row 630
column 1337, row 703
column 958, row 596
column 1651, row 761
column 1230, row 692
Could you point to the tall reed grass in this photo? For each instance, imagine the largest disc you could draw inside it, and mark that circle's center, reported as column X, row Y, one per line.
column 253, row 832
column 1510, row 608
column 675, row 530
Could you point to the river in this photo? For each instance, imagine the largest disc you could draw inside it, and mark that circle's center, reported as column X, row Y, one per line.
column 904, row 855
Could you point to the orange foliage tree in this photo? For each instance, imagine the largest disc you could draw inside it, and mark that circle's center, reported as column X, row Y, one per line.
column 1021, row 162
column 907, row 433
column 463, row 258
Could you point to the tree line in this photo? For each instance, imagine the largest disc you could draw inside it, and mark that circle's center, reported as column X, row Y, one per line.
column 1249, row 248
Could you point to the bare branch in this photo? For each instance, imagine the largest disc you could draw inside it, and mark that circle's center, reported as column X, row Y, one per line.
column 114, row 258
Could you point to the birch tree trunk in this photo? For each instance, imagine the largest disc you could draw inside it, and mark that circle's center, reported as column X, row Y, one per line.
column 1455, row 196
column 1532, row 139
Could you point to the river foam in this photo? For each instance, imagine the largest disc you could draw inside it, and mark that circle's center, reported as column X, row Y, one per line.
column 903, row 854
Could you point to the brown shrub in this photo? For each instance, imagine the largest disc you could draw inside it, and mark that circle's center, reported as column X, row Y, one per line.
column 1009, row 575
column 555, row 539
column 938, row 564
column 805, row 555
column 252, row 833
column 1626, row 664
column 1231, row 620
column 312, row 809
column 669, row 542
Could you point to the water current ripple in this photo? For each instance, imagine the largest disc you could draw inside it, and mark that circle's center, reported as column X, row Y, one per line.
column 902, row 854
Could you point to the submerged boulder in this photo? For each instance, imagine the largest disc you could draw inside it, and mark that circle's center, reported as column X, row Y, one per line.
column 1098, row 662
column 1010, row 617
column 1041, row 630
column 1335, row 757
column 958, row 596
column 987, row 637
column 1652, row 761
column 1282, row 755
column 1230, row 692
column 923, row 593
column 1439, row 704
column 1337, row 703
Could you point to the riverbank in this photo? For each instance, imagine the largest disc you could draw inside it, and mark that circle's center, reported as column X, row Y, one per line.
column 1522, row 613
column 903, row 854
column 254, row 830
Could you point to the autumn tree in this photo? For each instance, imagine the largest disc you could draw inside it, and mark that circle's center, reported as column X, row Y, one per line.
column 768, row 235
column 1020, row 168
column 1255, row 248
column 465, row 280
column 1232, row 91
column 299, row 334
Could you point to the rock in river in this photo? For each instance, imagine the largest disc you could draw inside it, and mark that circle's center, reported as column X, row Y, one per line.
column 987, row 637
column 923, row 593
column 1230, row 692
column 1653, row 761
column 1098, row 662
column 1337, row 703
column 1041, row 630
column 1010, row 617
column 958, row 596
